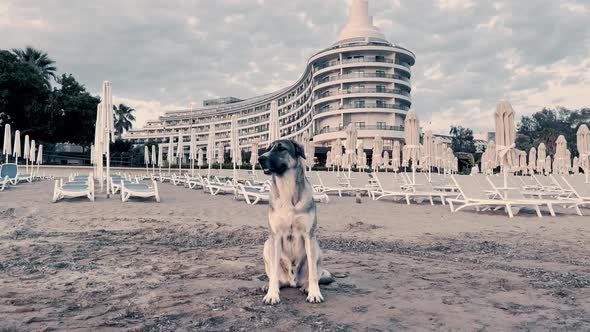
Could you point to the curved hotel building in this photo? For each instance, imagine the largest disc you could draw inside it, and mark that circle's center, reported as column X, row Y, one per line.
column 362, row 79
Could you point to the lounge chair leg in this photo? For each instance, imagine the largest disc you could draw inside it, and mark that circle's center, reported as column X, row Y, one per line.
column 431, row 201
column 408, row 199
column 538, row 211
column 551, row 211
column 509, row 210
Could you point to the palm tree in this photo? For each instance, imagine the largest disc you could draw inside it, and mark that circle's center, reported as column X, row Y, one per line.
column 123, row 118
column 39, row 60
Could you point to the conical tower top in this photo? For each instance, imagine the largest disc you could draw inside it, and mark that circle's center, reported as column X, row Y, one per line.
column 359, row 25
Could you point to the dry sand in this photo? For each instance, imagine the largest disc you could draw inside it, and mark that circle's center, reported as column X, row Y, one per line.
column 193, row 262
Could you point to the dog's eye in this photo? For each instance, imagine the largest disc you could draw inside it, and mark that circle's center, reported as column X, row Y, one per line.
column 280, row 148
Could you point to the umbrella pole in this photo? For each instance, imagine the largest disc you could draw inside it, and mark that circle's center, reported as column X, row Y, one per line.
column 108, row 170
column 193, row 167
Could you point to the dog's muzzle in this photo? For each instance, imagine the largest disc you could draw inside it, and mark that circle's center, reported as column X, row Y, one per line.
column 263, row 160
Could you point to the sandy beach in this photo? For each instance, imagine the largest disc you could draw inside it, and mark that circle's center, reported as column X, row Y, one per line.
column 194, row 262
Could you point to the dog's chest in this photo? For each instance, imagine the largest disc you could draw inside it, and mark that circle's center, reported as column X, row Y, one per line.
column 284, row 219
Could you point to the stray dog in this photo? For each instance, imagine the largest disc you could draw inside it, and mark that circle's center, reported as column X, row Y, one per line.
column 292, row 256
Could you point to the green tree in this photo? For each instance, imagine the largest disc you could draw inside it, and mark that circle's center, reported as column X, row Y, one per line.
column 23, row 94
column 462, row 139
column 38, row 60
column 123, row 119
column 71, row 112
column 546, row 125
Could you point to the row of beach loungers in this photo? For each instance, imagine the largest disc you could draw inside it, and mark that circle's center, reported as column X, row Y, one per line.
column 484, row 193
column 251, row 186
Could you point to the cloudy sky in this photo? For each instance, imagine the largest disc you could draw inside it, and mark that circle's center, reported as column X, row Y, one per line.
column 161, row 55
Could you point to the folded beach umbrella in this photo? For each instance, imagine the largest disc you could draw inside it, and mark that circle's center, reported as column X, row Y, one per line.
column 428, row 151
column 532, row 160
column 548, row 164
column 146, row 158
column 154, row 156
column 310, row 154
column 568, row 161
column 7, row 148
column 32, row 152
column 583, row 142
column 27, row 150
column 559, row 164
column 192, row 152
column 160, row 158
column 364, row 160
column 170, row 155
column 411, row 150
column 396, row 155
column 351, row 140
column 541, row 158
column 180, row 153
column 505, row 137
column 576, row 166
column 39, row 157
column 377, row 152
column 385, row 161
column 220, row 154
column 522, row 162
column 273, row 124
column 16, row 151
column 254, row 155
column 234, row 145
column 200, row 162
column 210, row 148
column 337, row 153
column 329, row 159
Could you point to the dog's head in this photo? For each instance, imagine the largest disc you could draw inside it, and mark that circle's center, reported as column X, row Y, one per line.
column 281, row 156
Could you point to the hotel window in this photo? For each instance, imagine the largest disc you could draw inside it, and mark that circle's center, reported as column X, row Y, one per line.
column 380, row 88
column 359, row 125
column 381, row 125
column 359, row 103
column 380, row 73
column 380, row 104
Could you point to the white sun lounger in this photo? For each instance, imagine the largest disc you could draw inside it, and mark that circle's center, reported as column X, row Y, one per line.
column 579, row 188
column 253, row 195
column 63, row 190
column 331, row 183
column 142, row 190
column 474, row 193
column 513, row 192
column 215, row 186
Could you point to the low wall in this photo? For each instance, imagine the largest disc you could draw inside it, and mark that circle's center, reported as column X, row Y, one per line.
column 65, row 171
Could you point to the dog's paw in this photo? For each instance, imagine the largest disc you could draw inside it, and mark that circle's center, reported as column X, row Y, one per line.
column 271, row 298
column 315, row 296
column 303, row 289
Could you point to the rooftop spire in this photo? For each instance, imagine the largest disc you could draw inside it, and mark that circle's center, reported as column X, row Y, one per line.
column 359, row 24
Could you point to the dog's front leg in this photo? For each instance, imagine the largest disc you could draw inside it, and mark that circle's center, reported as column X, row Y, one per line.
column 312, row 251
column 272, row 296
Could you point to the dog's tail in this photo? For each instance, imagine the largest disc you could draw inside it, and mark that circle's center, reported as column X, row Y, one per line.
column 326, row 278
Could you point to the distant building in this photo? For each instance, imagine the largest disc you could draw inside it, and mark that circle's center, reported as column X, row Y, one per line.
column 361, row 79
column 487, row 136
column 480, row 145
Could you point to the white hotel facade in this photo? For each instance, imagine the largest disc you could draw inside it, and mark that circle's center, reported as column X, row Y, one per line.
column 362, row 79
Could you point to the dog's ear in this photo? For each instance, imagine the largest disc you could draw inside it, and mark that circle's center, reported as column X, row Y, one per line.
column 299, row 152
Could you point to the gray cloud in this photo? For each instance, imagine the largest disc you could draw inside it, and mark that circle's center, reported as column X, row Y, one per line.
column 160, row 53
